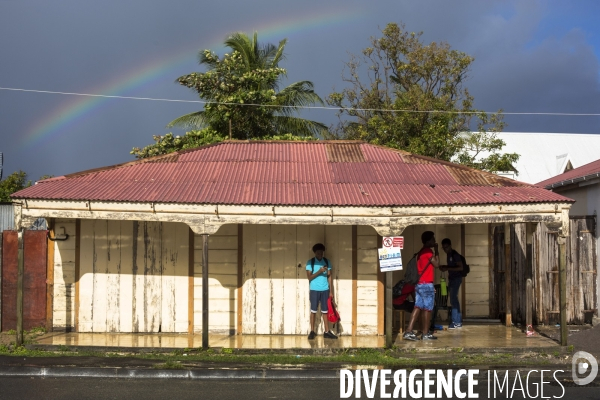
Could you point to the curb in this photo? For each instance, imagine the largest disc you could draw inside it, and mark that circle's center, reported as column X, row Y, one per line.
column 63, row 372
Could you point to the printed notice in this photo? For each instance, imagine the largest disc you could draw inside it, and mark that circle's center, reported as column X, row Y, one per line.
column 390, row 259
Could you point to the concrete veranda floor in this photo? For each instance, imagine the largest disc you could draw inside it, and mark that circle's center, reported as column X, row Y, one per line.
column 469, row 337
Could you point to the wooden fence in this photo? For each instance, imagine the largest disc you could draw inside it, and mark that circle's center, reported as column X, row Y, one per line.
column 538, row 260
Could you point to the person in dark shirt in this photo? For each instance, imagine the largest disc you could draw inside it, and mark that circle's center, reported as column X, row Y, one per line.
column 454, row 268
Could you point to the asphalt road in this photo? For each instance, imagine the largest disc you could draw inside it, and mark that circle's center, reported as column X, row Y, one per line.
column 145, row 389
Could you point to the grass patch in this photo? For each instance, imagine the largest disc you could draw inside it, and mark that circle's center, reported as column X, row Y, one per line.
column 170, row 364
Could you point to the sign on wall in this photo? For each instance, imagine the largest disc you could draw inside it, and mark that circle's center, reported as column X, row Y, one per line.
column 393, row 241
column 390, row 259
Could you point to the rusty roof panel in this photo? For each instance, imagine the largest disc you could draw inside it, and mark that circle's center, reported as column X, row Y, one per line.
column 344, row 153
column 290, row 173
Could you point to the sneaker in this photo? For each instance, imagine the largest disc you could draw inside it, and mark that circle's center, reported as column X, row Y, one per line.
column 410, row 336
column 329, row 335
column 454, row 326
column 429, row 336
column 311, row 335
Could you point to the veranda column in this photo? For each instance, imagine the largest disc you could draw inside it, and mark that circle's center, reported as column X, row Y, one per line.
column 507, row 275
column 205, row 291
column 563, row 235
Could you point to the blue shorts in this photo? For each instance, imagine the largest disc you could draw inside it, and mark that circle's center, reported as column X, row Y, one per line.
column 425, row 296
column 317, row 296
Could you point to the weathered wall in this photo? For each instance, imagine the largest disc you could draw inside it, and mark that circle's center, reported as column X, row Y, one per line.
column 476, row 284
column 366, row 298
column 133, row 276
column 275, row 287
column 63, row 314
column 222, row 280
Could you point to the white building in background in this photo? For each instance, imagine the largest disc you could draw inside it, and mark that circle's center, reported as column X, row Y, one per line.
column 544, row 155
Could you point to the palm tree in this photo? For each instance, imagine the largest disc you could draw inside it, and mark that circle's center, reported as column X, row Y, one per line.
column 251, row 121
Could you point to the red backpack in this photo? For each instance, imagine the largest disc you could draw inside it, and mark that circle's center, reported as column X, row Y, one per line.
column 333, row 316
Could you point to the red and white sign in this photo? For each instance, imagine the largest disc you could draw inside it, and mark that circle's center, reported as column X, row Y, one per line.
column 393, row 241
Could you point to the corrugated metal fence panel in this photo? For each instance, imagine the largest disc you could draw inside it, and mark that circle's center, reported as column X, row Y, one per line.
column 7, row 216
column 34, row 282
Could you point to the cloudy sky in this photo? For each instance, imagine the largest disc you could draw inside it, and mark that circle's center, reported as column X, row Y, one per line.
column 530, row 57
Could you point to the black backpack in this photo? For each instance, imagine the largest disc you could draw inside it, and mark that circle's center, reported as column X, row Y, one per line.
column 312, row 264
column 397, row 289
column 466, row 269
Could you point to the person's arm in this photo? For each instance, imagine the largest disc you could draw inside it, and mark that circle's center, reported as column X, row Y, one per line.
column 312, row 276
column 435, row 260
column 330, row 280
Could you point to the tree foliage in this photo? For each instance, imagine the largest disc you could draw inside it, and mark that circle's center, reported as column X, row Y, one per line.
column 408, row 95
column 169, row 143
column 242, row 89
column 13, row 183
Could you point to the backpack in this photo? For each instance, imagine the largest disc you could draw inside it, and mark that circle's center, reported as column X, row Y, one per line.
column 466, row 269
column 412, row 276
column 312, row 264
column 398, row 287
column 333, row 316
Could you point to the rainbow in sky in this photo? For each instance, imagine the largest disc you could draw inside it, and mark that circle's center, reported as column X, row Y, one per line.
column 77, row 108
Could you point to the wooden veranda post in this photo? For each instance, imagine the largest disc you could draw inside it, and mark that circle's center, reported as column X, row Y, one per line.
column 389, row 277
column 507, row 275
column 205, row 291
column 563, row 235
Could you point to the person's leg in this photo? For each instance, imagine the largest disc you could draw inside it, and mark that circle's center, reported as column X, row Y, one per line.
column 413, row 318
column 429, row 299
column 425, row 321
column 454, row 290
column 327, row 333
column 313, row 300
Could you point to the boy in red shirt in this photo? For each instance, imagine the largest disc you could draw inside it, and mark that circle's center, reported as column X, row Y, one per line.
column 427, row 260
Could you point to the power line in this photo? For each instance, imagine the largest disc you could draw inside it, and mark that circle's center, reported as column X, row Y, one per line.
column 297, row 107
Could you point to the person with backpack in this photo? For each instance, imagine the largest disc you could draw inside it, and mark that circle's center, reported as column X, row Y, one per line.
column 426, row 261
column 455, row 268
column 318, row 272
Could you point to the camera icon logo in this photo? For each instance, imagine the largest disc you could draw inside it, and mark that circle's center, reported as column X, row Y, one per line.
column 580, row 367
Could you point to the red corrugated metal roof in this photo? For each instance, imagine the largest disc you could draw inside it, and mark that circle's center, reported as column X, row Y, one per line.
column 576, row 174
column 334, row 173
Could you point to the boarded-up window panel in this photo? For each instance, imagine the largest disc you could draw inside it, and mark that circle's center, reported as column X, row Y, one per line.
column 133, row 276
column 63, row 315
column 367, row 286
column 223, row 270
column 477, row 282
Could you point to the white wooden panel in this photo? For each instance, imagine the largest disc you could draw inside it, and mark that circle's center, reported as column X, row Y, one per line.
column 278, row 247
column 339, row 240
column 303, row 253
column 263, row 284
column 476, row 229
column 476, row 251
column 99, row 266
column 249, row 279
column 126, row 276
column 169, row 260
column 290, row 272
column 113, row 276
column 86, row 276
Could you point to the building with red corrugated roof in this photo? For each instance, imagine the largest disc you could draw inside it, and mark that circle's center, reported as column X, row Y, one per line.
column 139, row 234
